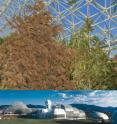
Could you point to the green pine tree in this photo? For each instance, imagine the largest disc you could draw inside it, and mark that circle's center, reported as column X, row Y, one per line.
column 71, row 2
column 91, row 68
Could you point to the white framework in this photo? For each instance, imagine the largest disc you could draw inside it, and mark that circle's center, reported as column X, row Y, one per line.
column 72, row 16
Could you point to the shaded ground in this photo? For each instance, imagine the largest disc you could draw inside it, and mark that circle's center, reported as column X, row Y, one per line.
column 34, row 121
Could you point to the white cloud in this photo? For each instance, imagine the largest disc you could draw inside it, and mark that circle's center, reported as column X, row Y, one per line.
column 93, row 93
column 99, row 98
column 63, row 95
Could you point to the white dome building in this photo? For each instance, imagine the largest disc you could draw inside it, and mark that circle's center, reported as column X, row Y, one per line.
column 74, row 113
column 99, row 116
column 18, row 107
column 59, row 113
column 47, row 112
column 114, row 117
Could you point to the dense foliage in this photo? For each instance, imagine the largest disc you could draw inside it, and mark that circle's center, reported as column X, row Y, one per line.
column 30, row 58
column 92, row 68
column 1, row 40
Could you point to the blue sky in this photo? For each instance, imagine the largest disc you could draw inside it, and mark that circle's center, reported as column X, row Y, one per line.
column 66, row 21
column 97, row 97
column 61, row 7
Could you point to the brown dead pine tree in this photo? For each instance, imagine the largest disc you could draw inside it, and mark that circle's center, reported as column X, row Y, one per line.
column 30, row 58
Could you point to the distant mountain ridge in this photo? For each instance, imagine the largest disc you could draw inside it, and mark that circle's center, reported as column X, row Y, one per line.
column 35, row 106
column 83, row 107
column 86, row 107
column 4, row 106
column 28, row 105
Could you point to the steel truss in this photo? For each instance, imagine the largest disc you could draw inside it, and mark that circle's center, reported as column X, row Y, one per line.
column 71, row 15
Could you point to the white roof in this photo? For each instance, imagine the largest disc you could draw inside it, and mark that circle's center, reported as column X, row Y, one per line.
column 45, row 110
column 59, row 111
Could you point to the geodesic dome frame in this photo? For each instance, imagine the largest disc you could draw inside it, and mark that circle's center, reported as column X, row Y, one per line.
column 70, row 14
